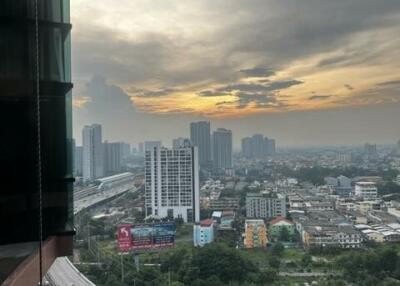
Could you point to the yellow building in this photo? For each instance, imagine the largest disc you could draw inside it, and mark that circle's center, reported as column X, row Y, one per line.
column 255, row 233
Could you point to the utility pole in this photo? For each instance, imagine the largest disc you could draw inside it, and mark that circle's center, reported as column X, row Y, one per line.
column 122, row 267
column 88, row 234
column 136, row 257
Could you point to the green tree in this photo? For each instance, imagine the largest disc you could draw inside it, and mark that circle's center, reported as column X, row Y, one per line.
column 306, row 260
column 284, row 234
column 277, row 249
column 274, row 262
column 224, row 262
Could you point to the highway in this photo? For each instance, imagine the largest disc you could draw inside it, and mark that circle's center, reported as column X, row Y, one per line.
column 63, row 272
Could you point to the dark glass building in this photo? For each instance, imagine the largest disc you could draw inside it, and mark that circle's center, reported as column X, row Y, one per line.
column 19, row 136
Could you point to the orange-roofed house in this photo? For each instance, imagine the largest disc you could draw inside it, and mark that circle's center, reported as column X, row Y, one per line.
column 276, row 226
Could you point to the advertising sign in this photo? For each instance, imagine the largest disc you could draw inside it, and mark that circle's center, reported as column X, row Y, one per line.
column 160, row 235
column 147, row 236
column 124, row 237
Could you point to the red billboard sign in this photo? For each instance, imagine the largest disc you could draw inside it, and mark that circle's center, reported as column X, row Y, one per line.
column 124, row 237
column 146, row 236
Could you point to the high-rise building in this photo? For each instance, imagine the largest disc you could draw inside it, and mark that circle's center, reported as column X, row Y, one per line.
column 259, row 147
column 78, row 160
column 35, row 203
column 270, row 143
column 172, row 183
column 180, row 142
column 370, row 150
column 222, row 148
column 141, row 148
column 93, row 156
column 112, row 157
column 125, row 150
column 200, row 136
column 150, row 145
column 260, row 205
column 247, row 148
column 397, row 149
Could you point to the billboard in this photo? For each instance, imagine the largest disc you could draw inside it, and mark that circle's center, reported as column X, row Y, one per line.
column 149, row 236
column 124, row 237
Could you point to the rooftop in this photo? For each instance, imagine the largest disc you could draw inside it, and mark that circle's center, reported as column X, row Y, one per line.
column 280, row 219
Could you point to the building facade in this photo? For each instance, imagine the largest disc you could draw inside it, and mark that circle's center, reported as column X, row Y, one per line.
column 150, row 145
column 172, row 183
column 112, row 157
column 93, row 156
column 260, row 205
column 277, row 225
column 203, row 232
column 258, row 147
column 255, row 235
column 78, row 160
column 180, row 142
column 222, row 148
column 200, row 136
column 366, row 190
column 247, row 150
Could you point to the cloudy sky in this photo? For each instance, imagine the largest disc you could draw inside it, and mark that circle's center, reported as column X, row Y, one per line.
column 306, row 72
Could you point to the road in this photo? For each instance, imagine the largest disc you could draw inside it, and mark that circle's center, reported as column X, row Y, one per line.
column 308, row 274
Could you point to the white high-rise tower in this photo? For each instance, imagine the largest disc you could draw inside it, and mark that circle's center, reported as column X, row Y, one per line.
column 92, row 152
column 172, row 183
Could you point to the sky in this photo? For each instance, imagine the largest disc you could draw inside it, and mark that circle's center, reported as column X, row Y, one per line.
column 305, row 72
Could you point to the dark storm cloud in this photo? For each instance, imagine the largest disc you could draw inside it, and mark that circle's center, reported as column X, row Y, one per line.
column 333, row 60
column 258, row 87
column 153, row 93
column 212, row 93
column 389, row 83
column 102, row 51
column 106, row 98
column 348, row 86
column 257, row 72
column 297, row 29
column 259, row 100
column 319, row 97
column 303, row 28
column 276, row 85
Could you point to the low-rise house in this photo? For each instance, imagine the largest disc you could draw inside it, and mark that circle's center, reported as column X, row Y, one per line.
column 319, row 206
column 277, row 225
column 391, row 236
column 373, row 235
column 203, row 232
column 345, row 236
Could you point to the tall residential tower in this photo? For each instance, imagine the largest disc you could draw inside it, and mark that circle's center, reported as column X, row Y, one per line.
column 200, row 136
column 93, row 156
column 172, row 183
column 222, row 148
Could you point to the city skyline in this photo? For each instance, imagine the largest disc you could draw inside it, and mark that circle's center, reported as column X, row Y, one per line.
column 310, row 73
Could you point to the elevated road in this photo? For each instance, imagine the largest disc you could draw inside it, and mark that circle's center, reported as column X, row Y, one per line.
column 63, row 272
